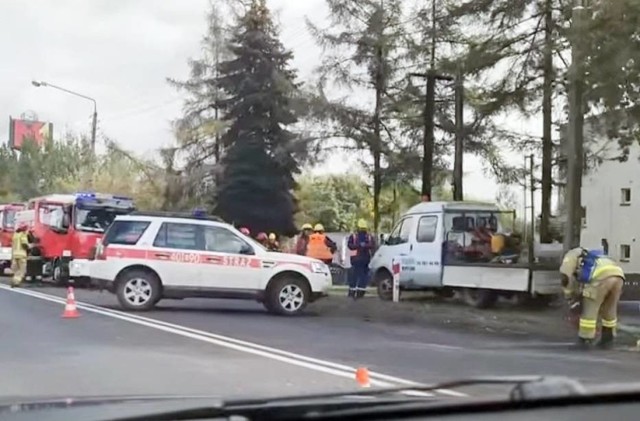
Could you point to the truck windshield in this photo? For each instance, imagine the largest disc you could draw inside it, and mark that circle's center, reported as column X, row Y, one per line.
column 96, row 219
column 9, row 218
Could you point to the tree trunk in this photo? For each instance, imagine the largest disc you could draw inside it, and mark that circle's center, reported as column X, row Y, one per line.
column 377, row 141
column 547, row 142
column 575, row 151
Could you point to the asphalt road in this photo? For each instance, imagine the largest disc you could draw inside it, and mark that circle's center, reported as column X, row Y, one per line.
column 193, row 346
column 44, row 355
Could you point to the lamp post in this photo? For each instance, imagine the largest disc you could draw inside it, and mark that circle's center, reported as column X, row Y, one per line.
column 94, row 122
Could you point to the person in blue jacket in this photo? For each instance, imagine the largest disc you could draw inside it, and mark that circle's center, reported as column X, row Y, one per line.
column 361, row 245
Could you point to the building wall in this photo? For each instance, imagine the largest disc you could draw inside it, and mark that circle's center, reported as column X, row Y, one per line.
column 609, row 215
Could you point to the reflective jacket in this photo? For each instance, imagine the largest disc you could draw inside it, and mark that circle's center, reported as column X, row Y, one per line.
column 605, row 268
column 19, row 245
column 319, row 247
column 361, row 246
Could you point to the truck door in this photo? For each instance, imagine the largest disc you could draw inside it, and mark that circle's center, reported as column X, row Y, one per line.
column 398, row 245
column 427, row 249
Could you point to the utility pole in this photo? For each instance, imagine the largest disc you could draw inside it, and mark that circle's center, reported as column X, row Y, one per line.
column 459, row 142
column 94, row 127
column 428, row 142
column 532, row 215
column 575, row 138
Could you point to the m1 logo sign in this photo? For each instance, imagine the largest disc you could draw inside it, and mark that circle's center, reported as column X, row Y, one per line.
column 21, row 130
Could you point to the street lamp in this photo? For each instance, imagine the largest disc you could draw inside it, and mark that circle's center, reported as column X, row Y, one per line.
column 94, row 122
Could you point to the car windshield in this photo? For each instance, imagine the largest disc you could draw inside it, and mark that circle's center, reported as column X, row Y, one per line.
column 95, row 219
column 463, row 129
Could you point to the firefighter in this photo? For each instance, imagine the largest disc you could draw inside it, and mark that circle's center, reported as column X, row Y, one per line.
column 303, row 239
column 19, row 248
column 361, row 245
column 262, row 239
column 320, row 246
column 272, row 244
column 592, row 284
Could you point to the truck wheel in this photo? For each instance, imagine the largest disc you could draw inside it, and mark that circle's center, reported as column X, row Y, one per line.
column 384, row 285
column 287, row 296
column 138, row 290
column 479, row 298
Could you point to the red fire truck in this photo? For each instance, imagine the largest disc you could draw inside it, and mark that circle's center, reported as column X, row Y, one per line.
column 7, row 225
column 67, row 227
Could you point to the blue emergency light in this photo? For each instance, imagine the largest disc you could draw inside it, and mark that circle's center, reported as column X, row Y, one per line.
column 199, row 213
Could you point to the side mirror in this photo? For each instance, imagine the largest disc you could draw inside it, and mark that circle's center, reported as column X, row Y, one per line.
column 246, row 249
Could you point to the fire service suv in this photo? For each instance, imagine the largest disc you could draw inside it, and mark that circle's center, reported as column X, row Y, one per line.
column 145, row 257
column 7, row 225
column 68, row 227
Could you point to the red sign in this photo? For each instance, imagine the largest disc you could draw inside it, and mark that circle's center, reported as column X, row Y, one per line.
column 21, row 130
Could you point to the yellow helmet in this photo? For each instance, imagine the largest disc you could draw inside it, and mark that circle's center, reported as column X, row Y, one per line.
column 362, row 224
column 318, row 227
column 307, row 227
column 272, row 237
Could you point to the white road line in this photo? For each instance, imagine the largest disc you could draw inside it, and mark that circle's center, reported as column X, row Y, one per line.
column 377, row 379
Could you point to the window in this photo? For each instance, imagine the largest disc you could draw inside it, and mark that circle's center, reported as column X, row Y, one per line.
column 125, row 232
column 400, row 233
column 625, row 196
column 52, row 215
column 179, row 236
column 625, row 252
column 427, row 229
column 221, row 240
column 8, row 219
column 97, row 219
column 405, row 230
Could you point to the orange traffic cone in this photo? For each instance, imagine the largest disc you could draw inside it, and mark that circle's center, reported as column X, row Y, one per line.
column 362, row 377
column 70, row 309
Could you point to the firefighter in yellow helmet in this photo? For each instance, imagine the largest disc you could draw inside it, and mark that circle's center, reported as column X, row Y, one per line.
column 320, row 246
column 303, row 239
column 19, row 248
column 272, row 243
column 592, row 283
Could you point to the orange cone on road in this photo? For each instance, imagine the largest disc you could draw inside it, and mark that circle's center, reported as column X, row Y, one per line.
column 70, row 309
column 362, row 377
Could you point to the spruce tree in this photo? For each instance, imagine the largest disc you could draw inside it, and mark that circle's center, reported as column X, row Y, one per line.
column 259, row 163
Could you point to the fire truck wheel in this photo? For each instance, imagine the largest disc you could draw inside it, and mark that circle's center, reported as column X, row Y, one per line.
column 138, row 290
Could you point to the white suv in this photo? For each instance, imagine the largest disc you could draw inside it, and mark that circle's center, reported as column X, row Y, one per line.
column 145, row 257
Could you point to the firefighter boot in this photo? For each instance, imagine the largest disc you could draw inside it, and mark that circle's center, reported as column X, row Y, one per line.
column 606, row 338
column 581, row 344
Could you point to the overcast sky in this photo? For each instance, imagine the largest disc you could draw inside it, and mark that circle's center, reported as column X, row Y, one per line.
column 120, row 53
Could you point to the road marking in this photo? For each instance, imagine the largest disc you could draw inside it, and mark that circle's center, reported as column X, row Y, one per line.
column 327, row 367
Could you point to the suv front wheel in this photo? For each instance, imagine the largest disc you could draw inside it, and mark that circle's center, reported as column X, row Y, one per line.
column 287, row 296
column 138, row 290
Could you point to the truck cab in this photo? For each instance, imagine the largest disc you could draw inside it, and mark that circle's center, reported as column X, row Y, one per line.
column 68, row 227
column 465, row 247
column 7, row 227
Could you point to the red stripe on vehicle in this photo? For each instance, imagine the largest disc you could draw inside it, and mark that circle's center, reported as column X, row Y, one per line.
column 198, row 258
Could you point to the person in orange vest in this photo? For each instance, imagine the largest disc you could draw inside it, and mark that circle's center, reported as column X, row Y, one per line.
column 361, row 245
column 303, row 239
column 320, row 246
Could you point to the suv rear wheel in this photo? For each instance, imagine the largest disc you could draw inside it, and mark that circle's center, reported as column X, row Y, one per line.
column 287, row 296
column 138, row 290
